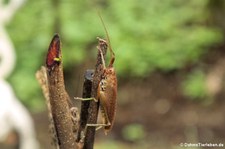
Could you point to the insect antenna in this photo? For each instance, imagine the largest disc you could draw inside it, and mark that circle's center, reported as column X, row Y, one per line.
column 112, row 54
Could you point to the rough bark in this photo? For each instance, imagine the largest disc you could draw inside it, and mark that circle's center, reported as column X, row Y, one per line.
column 93, row 106
column 88, row 77
column 52, row 81
column 59, row 99
column 41, row 76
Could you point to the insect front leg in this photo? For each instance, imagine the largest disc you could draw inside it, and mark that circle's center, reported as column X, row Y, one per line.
column 102, row 57
column 85, row 99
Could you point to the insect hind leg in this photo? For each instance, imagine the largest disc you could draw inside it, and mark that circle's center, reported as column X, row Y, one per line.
column 98, row 126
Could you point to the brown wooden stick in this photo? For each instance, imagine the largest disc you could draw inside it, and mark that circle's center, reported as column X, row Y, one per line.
column 58, row 96
column 41, row 76
column 88, row 78
column 94, row 107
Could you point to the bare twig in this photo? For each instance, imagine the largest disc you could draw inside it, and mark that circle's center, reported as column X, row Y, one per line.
column 58, row 97
column 93, row 107
column 41, row 76
column 52, row 83
column 88, row 77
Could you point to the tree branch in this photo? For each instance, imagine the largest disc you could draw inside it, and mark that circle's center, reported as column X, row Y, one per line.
column 52, row 83
column 58, row 97
column 88, row 78
column 41, row 76
column 93, row 106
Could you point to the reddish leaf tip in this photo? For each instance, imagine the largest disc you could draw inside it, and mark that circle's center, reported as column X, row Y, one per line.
column 53, row 51
column 56, row 36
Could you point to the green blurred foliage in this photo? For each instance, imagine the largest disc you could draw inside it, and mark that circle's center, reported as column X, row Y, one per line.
column 134, row 132
column 194, row 86
column 145, row 35
column 163, row 35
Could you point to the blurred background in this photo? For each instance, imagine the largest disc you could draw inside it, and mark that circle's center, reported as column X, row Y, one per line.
column 169, row 61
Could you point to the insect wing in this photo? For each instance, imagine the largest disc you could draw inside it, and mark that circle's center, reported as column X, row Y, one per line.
column 108, row 100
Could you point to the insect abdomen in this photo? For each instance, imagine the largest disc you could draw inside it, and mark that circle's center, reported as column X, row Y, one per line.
column 108, row 98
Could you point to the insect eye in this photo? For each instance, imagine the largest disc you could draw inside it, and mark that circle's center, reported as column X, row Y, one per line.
column 110, row 70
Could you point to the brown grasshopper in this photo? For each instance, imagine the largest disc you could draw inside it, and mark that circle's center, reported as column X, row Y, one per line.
column 107, row 91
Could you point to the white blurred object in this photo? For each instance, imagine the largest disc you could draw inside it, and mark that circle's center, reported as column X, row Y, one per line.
column 8, row 10
column 7, row 54
column 13, row 115
column 6, row 47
